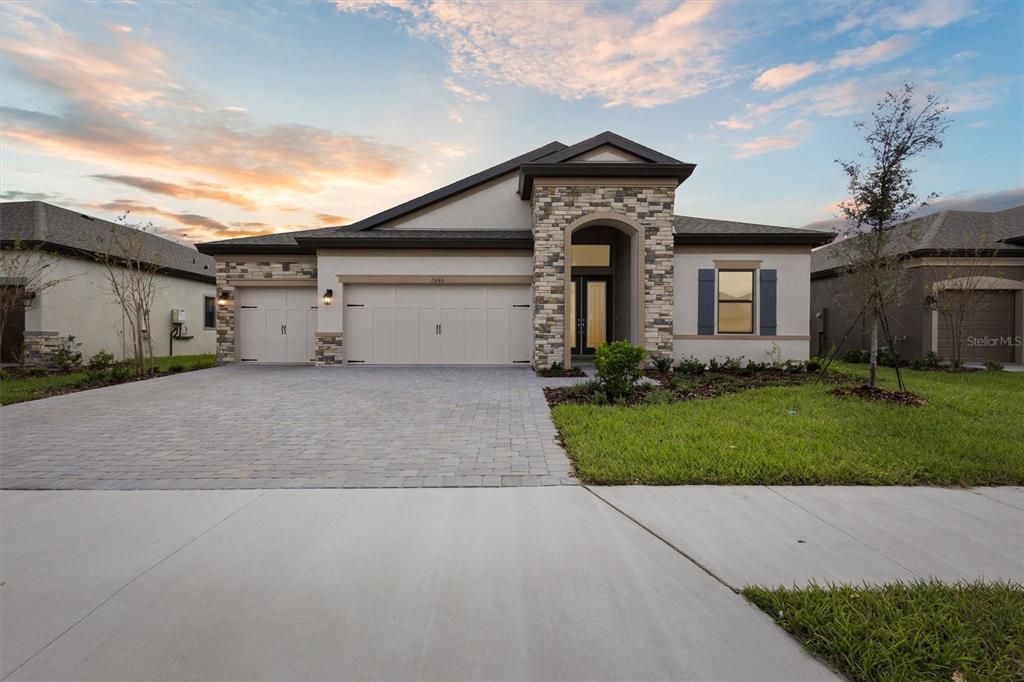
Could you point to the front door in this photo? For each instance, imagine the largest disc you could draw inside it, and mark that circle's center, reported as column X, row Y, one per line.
column 590, row 313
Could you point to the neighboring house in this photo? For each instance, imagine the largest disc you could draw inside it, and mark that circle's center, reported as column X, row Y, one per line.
column 537, row 260
column 82, row 304
column 941, row 249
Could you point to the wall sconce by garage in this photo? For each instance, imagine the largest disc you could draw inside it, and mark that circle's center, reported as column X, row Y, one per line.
column 223, row 298
column 328, row 296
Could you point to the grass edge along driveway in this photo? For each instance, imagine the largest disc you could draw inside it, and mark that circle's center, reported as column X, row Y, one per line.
column 34, row 388
column 971, row 432
column 921, row 630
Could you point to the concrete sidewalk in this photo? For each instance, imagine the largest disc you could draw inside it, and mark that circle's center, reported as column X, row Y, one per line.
column 538, row 583
column 781, row 535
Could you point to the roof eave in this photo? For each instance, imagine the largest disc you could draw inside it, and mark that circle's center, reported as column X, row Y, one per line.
column 216, row 249
column 529, row 171
column 754, row 239
column 526, row 242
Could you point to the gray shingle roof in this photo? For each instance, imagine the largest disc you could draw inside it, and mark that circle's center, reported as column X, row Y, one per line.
column 944, row 231
column 39, row 222
column 682, row 224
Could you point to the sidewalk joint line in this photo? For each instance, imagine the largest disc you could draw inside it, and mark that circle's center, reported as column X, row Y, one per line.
column 675, row 548
column 992, row 499
column 129, row 584
column 844, row 532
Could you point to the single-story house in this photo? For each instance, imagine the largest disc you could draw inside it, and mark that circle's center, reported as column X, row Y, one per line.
column 942, row 251
column 536, row 260
column 82, row 305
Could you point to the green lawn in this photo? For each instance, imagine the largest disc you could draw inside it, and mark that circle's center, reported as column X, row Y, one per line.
column 971, row 432
column 907, row 631
column 33, row 388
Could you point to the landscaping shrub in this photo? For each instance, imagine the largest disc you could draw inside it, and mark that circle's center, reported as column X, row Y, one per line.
column 619, row 366
column 67, row 358
column 174, row 369
column 814, row 363
column 888, row 358
column 101, row 360
column 856, row 356
column 118, row 373
column 662, row 363
column 994, row 366
column 688, row 364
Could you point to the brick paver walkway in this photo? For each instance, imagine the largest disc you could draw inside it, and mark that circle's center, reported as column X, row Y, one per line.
column 290, row 427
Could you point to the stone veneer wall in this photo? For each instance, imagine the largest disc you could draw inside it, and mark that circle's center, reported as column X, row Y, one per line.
column 251, row 268
column 558, row 205
column 329, row 348
column 41, row 348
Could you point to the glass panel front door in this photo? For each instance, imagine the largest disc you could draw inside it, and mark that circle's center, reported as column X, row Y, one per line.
column 589, row 310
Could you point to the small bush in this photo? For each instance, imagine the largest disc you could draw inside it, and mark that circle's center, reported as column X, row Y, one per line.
column 174, row 369
column 888, row 358
column 101, row 360
column 688, row 364
column 589, row 391
column 662, row 363
column 993, row 366
column 67, row 359
column 855, row 355
column 815, row 363
column 658, row 396
column 118, row 373
column 619, row 366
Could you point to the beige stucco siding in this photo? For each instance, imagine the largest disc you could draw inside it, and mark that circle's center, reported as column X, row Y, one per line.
column 793, row 295
column 492, row 206
column 84, row 306
column 439, row 262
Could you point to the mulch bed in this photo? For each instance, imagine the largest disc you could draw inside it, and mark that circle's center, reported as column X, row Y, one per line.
column 570, row 372
column 879, row 394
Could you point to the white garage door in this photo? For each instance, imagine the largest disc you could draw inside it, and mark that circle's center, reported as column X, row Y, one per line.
column 451, row 324
column 276, row 324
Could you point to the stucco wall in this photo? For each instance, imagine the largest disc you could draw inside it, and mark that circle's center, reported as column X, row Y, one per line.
column 493, row 206
column 793, row 296
column 331, row 263
column 83, row 306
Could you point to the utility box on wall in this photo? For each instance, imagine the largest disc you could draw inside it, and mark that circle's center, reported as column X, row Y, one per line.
column 178, row 315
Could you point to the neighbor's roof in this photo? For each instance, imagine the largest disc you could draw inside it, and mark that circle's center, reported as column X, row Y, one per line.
column 944, row 233
column 62, row 230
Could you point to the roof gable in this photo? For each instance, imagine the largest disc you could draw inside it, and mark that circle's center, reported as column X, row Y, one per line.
column 608, row 139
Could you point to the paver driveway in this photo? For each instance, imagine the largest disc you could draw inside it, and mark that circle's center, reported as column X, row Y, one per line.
column 288, row 427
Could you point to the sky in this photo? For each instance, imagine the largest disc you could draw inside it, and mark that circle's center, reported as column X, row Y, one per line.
column 219, row 120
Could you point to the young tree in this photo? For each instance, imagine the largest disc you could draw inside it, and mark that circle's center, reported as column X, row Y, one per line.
column 131, row 265
column 957, row 288
column 881, row 190
column 27, row 271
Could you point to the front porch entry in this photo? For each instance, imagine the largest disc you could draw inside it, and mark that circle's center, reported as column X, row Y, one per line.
column 600, row 305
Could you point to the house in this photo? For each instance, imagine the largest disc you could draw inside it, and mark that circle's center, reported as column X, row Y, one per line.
column 941, row 251
column 536, row 260
column 81, row 304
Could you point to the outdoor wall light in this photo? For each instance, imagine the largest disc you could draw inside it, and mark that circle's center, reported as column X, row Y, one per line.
column 223, row 297
column 328, row 296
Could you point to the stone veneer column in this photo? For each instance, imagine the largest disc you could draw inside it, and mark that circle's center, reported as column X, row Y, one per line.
column 554, row 208
column 232, row 268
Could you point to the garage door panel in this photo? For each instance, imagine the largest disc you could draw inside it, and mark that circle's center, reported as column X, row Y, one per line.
column 992, row 318
column 476, row 323
column 252, row 327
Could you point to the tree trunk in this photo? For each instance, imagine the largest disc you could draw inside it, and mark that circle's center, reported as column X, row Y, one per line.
column 873, row 362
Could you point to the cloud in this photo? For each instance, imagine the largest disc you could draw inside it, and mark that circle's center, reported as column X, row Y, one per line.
column 735, row 123
column 641, row 55
column 198, row 190
column 18, row 195
column 782, row 75
column 465, row 93
column 118, row 104
column 187, row 226
column 455, row 116
column 877, row 53
column 796, row 132
column 964, row 55
column 924, row 15
column 331, row 219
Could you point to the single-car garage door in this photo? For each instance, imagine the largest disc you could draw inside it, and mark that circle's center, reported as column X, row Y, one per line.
column 988, row 330
column 449, row 324
column 276, row 324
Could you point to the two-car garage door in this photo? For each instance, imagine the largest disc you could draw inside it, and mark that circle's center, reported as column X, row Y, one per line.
column 437, row 323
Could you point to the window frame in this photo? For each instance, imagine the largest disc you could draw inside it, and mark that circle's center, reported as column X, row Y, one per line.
column 213, row 309
column 752, row 301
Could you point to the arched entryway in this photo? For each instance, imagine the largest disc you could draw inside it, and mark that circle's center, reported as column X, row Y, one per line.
column 603, row 283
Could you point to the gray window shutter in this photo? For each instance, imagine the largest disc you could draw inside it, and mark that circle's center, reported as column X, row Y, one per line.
column 769, row 280
column 706, row 302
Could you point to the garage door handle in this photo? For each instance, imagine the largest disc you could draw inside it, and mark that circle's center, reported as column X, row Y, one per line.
column 437, row 329
column 284, row 329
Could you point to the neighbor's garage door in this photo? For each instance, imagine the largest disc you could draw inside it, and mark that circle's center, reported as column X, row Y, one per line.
column 993, row 319
column 276, row 324
column 470, row 324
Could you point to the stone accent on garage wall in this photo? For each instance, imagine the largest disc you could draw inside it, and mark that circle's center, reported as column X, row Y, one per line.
column 329, row 348
column 40, row 348
column 251, row 268
column 556, row 206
